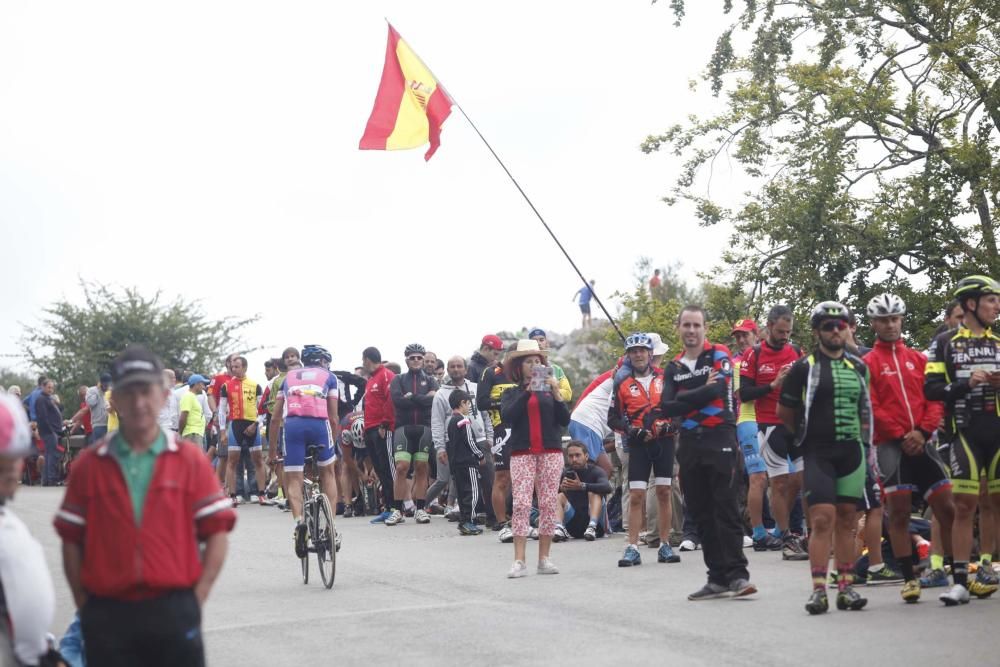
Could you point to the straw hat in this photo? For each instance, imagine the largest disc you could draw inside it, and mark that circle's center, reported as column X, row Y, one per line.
column 525, row 348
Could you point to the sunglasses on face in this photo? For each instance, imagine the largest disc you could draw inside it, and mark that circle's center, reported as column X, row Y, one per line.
column 833, row 325
column 415, row 358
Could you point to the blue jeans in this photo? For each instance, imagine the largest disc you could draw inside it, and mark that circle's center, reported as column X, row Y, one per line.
column 245, row 466
column 98, row 433
column 50, row 474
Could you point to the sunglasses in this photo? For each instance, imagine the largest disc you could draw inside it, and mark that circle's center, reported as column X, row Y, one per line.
column 415, row 358
column 833, row 325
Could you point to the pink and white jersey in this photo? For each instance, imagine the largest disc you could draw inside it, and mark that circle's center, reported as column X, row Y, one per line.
column 305, row 391
column 592, row 408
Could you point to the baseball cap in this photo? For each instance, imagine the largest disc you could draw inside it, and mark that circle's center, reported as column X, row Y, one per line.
column 659, row 347
column 105, row 378
column 195, row 379
column 537, row 332
column 492, row 342
column 746, row 325
column 136, row 365
column 15, row 434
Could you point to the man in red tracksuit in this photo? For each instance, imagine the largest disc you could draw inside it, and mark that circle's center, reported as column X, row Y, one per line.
column 904, row 422
column 380, row 421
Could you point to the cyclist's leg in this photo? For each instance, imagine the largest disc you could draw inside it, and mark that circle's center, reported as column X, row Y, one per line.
column 233, row 451
column 421, row 467
column 501, row 474
column 780, row 471
column 325, row 459
column 965, row 467
column 257, row 458
column 820, row 490
column 402, row 457
column 898, row 492
column 295, row 455
column 663, row 470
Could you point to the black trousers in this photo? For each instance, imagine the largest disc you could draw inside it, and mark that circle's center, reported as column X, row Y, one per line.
column 379, row 449
column 469, row 484
column 709, row 469
column 162, row 631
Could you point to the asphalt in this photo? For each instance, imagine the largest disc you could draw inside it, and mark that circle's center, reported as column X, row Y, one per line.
column 423, row 594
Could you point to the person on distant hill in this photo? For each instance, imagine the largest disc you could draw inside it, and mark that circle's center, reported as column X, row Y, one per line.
column 585, row 293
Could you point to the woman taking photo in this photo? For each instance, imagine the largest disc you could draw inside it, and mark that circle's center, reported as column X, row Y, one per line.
column 536, row 414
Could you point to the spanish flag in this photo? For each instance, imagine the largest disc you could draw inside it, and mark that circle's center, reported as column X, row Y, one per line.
column 410, row 107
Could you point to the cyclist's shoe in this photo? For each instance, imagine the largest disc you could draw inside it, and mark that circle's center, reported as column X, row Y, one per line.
column 380, row 518
column 911, row 591
column 506, row 535
column 396, row 517
column 630, row 557
column 984, row 584
column 767, row 543
column 934, row 579
column 667, row 555
column 791, row 548
column 349, row 511
column 254, row 498
column 265, row 501
column 590, row 534
column 560, row 534
column 955, row 595
column 710, row 591
column 299, row 538
column 818, row 602
column 338, row 540
column 545, row 566
column 420, row 516
column 741, row 588
column 885, row 575
column 469, row 528
column 850, row 599
column 689, row 545
column 517, row 570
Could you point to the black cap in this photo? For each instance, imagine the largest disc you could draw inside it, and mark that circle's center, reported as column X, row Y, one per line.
column 105, row 378
column 136, row 365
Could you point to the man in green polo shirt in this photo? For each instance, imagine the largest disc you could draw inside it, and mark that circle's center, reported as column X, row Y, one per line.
column 192, row 420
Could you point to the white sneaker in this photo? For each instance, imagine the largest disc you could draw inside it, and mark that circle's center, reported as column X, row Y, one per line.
column 517, row 570
column 560, row 534
column 421, row 516
column 533, row 533
column 545, row 566
column 590, row 534
column 688, row 545
column 747, row 541
column 394, row 517
column 254, row 498
column 506, row 535
column 957, row 594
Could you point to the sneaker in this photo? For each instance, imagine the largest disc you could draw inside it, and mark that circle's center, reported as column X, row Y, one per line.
column 667, row 555
column 955, row 595
column 266, row 502
column 517, row 570
column 590, row 534
column 469, row 528
column 420, row 516
column 885, row 575
column 741, row 588
column 380, row 518
column 985, row 583
column 818, row 602
column 410, row 512
column 299, row 538
column 395, row 517
column 498, row 526
column 533, row 533
column 747, row 541
column 507, row 536
column 688, row 545
column 791, row 549
column 911, row 591
column 436, row 508
column 560, row 534
column 710, row 591
column 349, row 512
column 767, row 543
column 235, row 500
column 453, row 514
column 630, row 557
column 545, row 566
column 254, row 498
column 850, row 599
column 479, row 519
column 934, row 579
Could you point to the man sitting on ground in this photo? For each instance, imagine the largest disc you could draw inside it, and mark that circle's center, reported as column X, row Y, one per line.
column 581, row 497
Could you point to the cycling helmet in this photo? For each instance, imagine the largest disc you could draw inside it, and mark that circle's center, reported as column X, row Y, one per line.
column 315, row 355
column 886, row 305
column 639, row 339
column 829, row 310
column 414, row 348
column 15, row 434
column 358, row 430
column 971, row 286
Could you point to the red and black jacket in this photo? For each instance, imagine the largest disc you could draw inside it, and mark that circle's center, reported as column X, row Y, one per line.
column 691, row 400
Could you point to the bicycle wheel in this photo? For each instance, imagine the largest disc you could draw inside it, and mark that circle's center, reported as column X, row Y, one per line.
column 323, row 540
column 307, row 510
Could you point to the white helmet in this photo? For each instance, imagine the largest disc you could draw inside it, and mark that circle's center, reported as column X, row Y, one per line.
column 15, row 435
column 886, row 305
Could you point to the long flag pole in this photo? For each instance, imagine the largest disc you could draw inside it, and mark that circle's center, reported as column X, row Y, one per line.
column 517, row 185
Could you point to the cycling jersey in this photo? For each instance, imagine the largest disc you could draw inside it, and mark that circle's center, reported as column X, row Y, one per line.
column 746, row 410
column 306, row 391
column 686, row 387
column 635, row 403
column 241, row 398
column 834, row 395
column 415, row 409
column 761, row 365
column 494, row 383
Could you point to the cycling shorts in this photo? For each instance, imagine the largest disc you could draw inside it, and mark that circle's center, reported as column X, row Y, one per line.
column 834, row 473
column 501, row 448
column 975, row 455
column 238, row 439
column 412, row 443
column 746, row 433
column 780, row 457
column 924, row 473
column 589, row 437
column 871, row 493
column 302, row 433
column 656, row 456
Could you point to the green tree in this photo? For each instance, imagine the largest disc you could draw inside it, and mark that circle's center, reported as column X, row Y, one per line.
column 870, row 131
column 25, row 381
column 74, row 343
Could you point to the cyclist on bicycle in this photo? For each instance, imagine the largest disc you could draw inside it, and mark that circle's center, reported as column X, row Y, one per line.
column 307, row 405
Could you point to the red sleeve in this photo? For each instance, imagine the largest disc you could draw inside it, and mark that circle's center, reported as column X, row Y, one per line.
column 71, row 517
column 748, row 367
column 262, row 404
column 885, row 425
column 213, row 510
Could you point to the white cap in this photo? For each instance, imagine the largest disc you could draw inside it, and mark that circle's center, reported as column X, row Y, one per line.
column 659, row 347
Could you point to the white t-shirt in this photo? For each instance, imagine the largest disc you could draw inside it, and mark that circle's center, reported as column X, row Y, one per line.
column 592, row 410
column 27, row 587
column 645, row 381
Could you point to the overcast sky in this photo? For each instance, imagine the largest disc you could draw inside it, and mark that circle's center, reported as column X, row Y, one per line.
column 210, row 149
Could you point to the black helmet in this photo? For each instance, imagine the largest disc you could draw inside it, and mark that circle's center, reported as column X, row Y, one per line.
column 315, row 355
column 414, row 348
column 829, row 310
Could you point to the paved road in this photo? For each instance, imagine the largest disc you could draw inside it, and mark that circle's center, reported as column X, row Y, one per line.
column 424, row 594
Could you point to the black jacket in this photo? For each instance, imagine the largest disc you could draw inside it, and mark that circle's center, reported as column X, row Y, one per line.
column 415, row 410
column 596, row 481
column 49, row 416
column 460, row 443
column 553, row 414
column 476, row 366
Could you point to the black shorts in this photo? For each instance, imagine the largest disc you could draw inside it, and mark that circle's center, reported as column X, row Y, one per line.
column 411, row 443
column 501, row 448
column 975, row 455
column 871, row 498
column 656, row 456
column 780, row 457
column 834, row 473
column 924, row 473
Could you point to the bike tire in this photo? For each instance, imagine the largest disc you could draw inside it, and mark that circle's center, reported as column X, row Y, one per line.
column 324, row 539
column 305, row 561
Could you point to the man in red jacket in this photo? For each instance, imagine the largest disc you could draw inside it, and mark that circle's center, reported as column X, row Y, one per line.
column 137, row 508
column 380, row 421
column 904, row 423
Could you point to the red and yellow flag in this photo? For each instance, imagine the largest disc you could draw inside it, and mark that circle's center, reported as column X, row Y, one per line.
column 410, row 106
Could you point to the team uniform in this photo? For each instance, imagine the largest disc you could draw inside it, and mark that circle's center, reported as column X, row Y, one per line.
column 412, row 436
column 492, row 386
column 634, row 408
column 746, row 424
column 306, row 417
column 238, row 399
column 758, row 369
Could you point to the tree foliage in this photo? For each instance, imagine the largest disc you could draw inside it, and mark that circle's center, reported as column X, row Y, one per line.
column 74, row 343
column 870, row 130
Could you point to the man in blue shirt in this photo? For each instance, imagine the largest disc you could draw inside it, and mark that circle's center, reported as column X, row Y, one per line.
column 585, row 293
